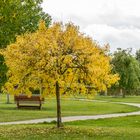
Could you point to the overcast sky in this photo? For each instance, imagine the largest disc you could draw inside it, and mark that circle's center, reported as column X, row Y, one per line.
column 116, row 22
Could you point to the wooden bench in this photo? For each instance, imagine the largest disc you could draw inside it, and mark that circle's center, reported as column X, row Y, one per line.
column 23, row 101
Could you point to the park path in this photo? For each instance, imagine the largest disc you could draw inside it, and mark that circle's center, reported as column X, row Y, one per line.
column 75, row 118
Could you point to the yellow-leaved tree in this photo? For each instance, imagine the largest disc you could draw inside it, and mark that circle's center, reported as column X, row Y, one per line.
column 57, row 60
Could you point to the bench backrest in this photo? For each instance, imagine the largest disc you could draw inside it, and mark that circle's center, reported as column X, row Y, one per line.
column 26, row 98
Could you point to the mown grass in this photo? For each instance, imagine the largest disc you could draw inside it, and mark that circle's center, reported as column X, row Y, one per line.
column 102, row 129
column 129, row 99
column 118, row 122
column 9, row 112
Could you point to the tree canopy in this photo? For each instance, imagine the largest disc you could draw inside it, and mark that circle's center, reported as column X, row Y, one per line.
column 59, row 53
column 18, row 17
column 128, row 68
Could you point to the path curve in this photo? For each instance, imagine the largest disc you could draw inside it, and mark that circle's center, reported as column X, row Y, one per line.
column 75, row 118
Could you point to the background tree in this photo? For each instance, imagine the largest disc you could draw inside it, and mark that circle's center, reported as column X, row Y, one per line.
column 57, row 60
column 128, row 68
column 138, row 55
column 3, row 70
column 18, row 17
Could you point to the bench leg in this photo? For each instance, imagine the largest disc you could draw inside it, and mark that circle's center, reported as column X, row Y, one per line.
column 40, row 107
column 17, row 104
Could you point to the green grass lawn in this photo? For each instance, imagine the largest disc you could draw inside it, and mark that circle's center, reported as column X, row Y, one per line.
column 122, row 128
column 118, row 122
column 129, row 99
column 9, row 112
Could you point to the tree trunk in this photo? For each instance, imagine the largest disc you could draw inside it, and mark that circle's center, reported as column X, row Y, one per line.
column 59, row 122
column 105, row 93
column 123, row 94
column 8, row 99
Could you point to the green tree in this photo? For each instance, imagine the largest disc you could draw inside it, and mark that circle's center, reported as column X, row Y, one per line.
column 138, row 55
column 18, row 17
column 3, row 69
column 128, row 68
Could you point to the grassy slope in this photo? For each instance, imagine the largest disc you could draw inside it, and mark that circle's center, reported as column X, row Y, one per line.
column 9, row 112
column 102, row 129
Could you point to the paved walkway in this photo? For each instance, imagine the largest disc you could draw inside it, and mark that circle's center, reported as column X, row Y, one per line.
column 75, row 118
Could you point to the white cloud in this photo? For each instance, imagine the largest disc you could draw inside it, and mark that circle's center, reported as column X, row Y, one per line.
column 116, row 37
column 108, row 21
